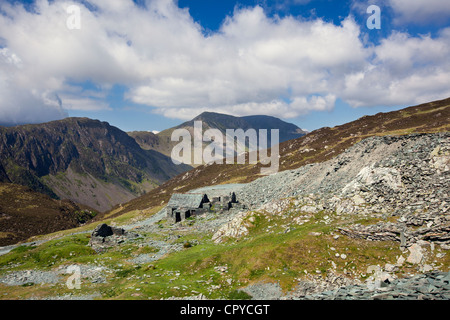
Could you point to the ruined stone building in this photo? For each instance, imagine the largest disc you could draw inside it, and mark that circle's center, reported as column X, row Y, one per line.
column 184, row 205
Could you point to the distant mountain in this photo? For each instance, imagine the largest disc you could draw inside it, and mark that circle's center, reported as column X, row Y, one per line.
column 287, row 131
column 211, row 120
column 147, row 140
column 80, row 159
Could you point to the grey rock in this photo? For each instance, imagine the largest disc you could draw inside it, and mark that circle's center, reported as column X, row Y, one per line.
column 104, row 236
column 429, row 286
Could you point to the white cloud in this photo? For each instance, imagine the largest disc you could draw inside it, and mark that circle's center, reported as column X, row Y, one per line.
column 421, row 11
column 405, row 70
column 254, row 64
column 84, row 104
column 16, row 99
column 280, row 108
column 253, row 70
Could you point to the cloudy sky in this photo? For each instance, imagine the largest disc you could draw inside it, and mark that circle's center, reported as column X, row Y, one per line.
column 151, row 64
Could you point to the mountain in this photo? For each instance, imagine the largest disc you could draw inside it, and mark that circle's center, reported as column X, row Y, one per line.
column 370, row 222
column 317, row 146
column 25, row 213
column 222, row 122
column 210, row 120
column 149, row 141
column 84, row 160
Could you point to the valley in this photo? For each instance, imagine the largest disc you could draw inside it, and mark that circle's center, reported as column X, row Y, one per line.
column 358, row 211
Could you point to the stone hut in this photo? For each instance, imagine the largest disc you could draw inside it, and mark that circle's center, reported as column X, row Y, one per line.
column 224, row 202
column 184, row 205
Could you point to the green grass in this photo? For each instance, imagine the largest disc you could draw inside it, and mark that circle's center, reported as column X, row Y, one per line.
column 239, row 295
column 265, row 255
column 50, row 254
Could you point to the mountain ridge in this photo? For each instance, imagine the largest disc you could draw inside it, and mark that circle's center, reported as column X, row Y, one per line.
column 42, row 156
column 161, row 141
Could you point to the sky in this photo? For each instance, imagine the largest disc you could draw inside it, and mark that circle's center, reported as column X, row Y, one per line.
column 152, row 64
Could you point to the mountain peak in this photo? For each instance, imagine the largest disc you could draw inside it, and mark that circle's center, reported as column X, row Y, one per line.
column 223, row 121
column 209, row 115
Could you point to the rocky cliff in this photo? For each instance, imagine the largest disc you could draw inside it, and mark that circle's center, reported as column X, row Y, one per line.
column 84, row 160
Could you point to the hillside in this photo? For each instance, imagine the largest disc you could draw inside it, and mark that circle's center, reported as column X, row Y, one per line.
column 315, row 147
column 161, row 142
column 25, row 213
column 84, row 160
column 366, row 217
column 369, row 224
column 148, row 141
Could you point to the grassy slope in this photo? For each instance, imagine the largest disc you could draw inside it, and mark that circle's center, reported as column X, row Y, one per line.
column 25, row 213
column 268, row 254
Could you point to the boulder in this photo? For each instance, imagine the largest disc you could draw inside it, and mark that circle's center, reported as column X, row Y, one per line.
column 104, row 236
column 103, row 230
column 416, row 254
column 236, row 228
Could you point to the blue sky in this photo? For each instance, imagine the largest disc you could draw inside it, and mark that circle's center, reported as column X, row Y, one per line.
column 152, row 64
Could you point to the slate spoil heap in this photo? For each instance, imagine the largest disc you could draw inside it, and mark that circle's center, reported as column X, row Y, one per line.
column 404, row 179
column 429, row 286
column 401, row 183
